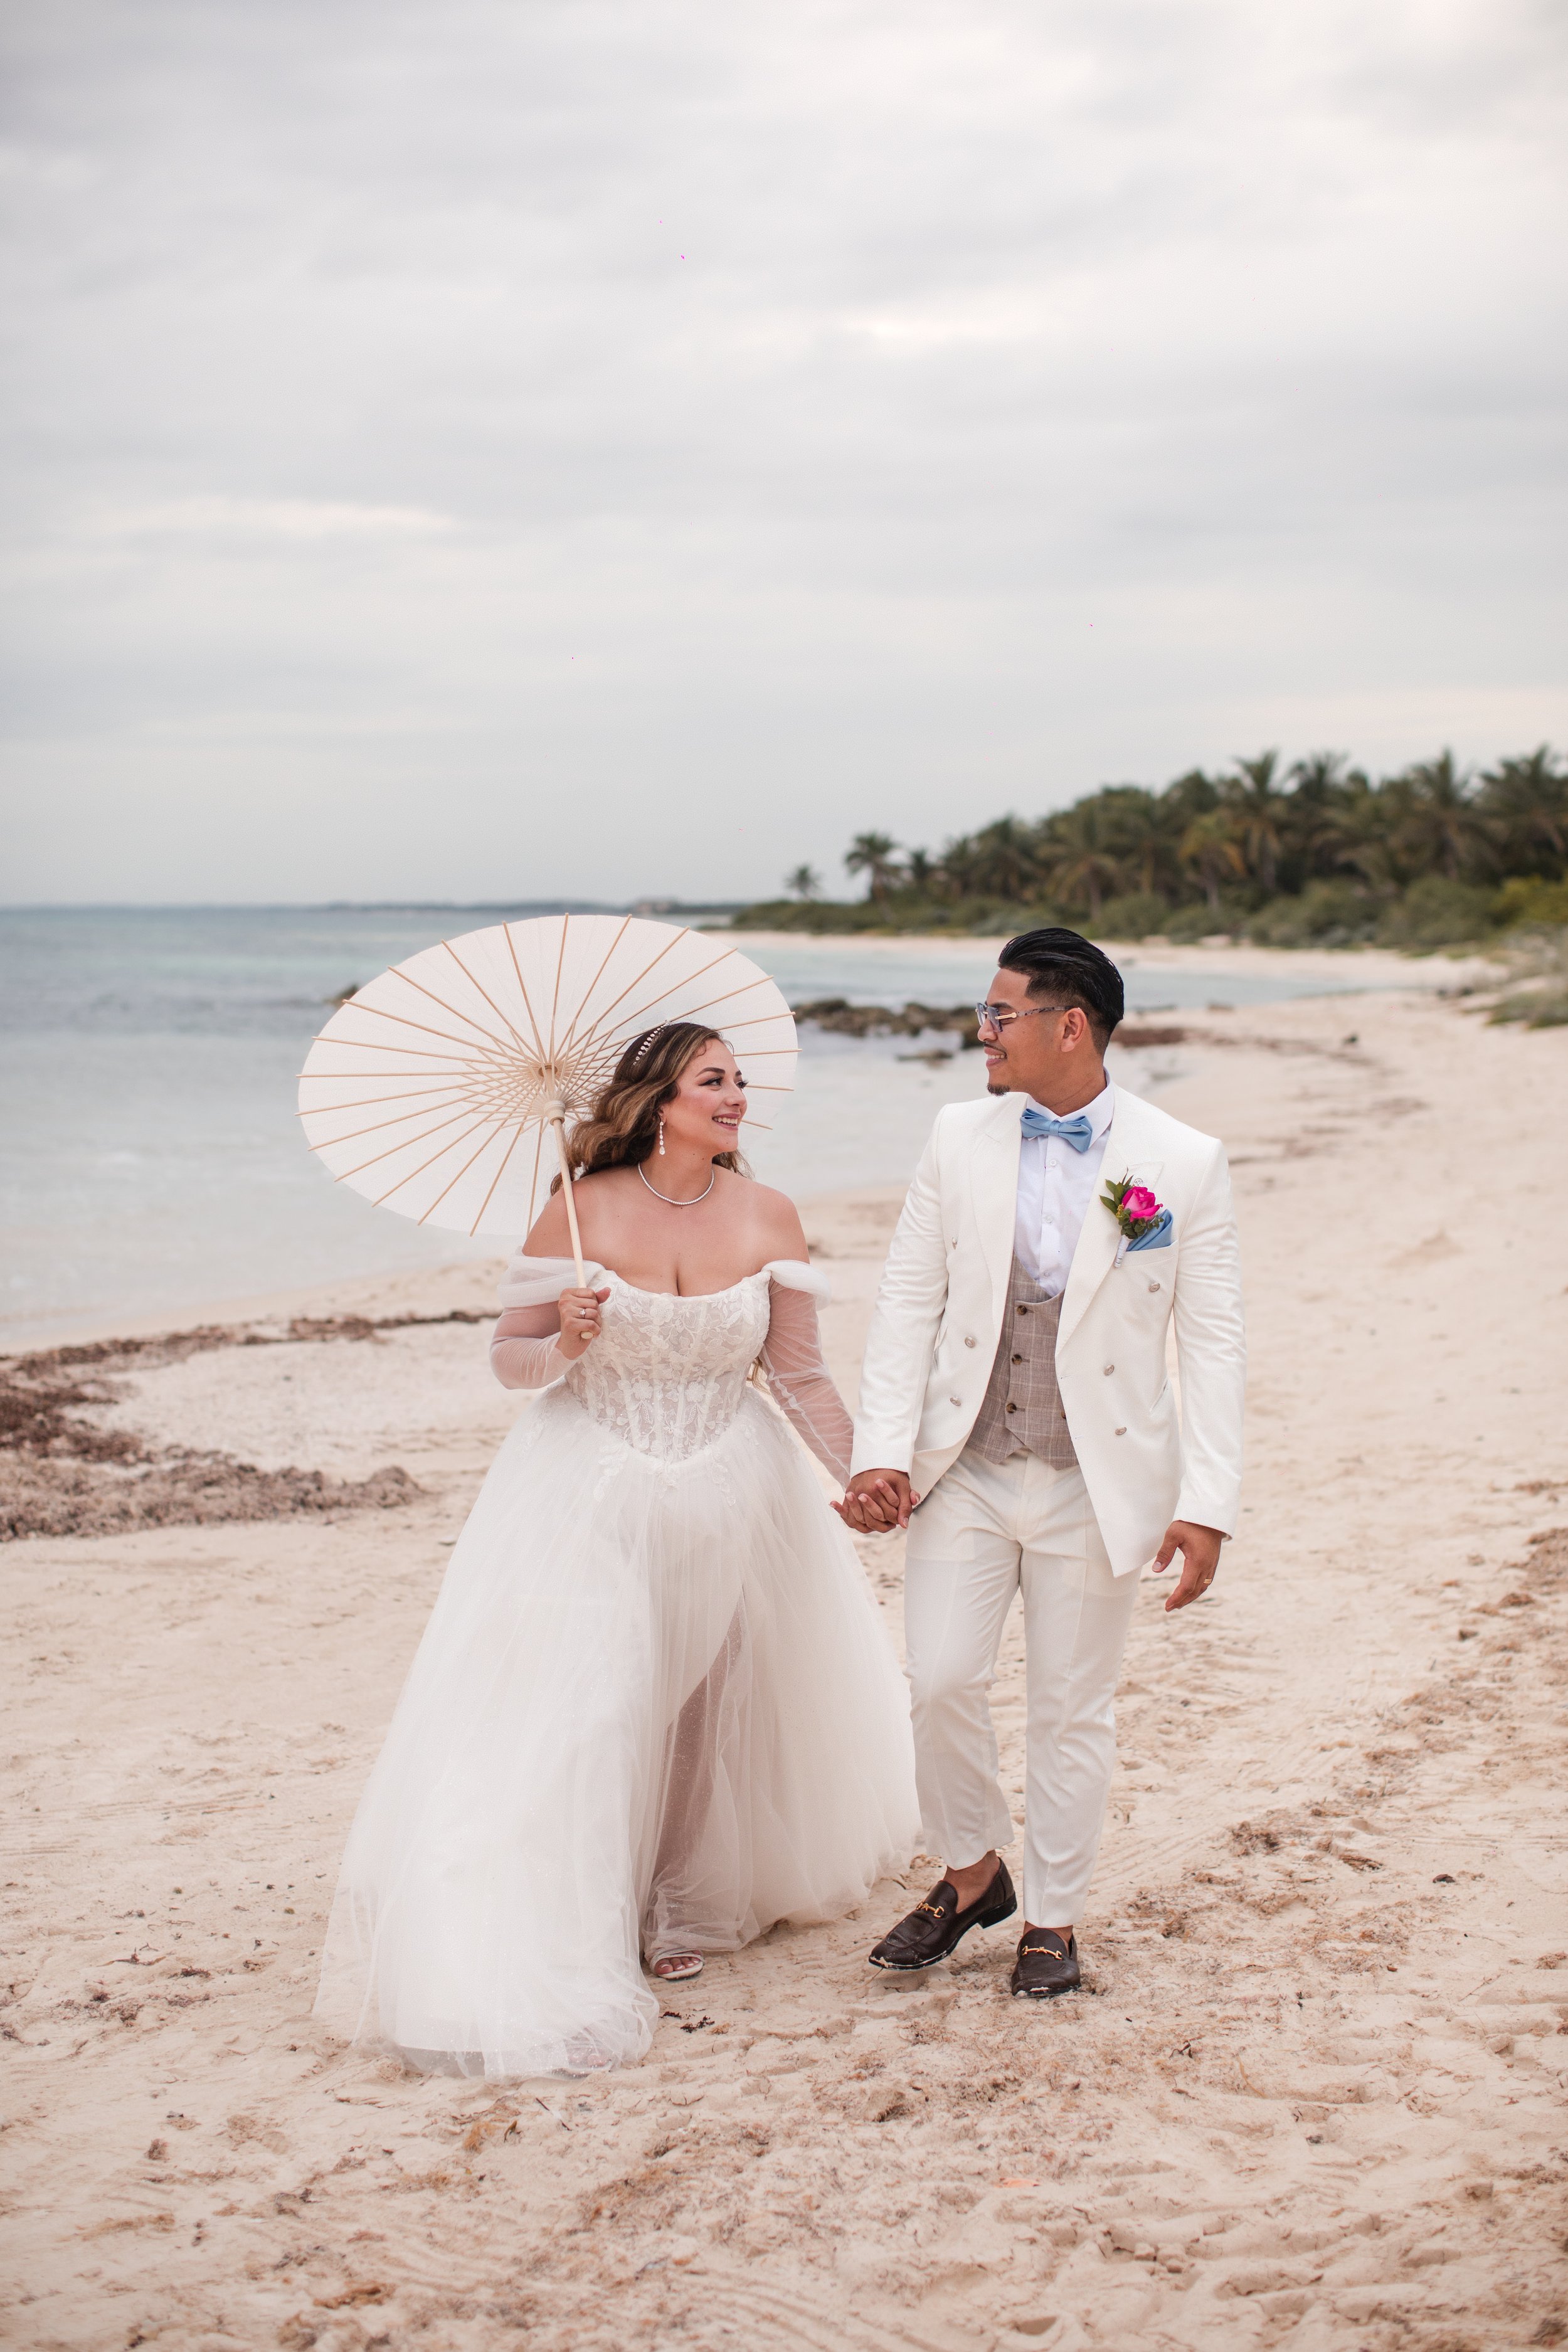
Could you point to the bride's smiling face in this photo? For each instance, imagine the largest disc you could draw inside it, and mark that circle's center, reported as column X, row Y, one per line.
column 705, row 1112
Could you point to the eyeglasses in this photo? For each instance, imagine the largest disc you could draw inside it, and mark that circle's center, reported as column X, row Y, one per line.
column 999, row 1016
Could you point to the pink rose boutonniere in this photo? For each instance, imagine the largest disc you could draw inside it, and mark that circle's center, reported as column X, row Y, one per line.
column 1138, row 1213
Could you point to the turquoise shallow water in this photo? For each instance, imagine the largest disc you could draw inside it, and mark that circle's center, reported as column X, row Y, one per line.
column 150, row 1159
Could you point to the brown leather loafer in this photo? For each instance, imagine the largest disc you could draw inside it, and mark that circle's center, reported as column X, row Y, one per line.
column 1044, row 1966
column 936, row 1926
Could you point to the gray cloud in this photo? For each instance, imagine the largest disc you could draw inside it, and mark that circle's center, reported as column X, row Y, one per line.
column 521, row 448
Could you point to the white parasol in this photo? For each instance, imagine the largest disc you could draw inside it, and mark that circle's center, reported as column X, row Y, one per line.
column 430, row 1091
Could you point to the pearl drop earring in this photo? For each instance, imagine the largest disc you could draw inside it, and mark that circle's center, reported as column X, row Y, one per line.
column 661, row 1150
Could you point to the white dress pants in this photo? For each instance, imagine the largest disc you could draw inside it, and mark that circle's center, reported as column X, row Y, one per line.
column 987, row 1531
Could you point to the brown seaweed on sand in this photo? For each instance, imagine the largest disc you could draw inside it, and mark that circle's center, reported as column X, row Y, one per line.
column 62, row 1473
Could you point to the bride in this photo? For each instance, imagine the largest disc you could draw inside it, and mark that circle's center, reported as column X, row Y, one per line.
column 654, row 1711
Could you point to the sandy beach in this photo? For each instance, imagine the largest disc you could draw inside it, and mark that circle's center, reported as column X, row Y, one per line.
column 1310, row 2095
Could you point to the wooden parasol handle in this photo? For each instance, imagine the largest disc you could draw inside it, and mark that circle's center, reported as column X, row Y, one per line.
column 555, row 1114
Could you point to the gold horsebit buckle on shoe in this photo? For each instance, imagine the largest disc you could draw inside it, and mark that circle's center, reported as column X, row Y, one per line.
column 931, row 1911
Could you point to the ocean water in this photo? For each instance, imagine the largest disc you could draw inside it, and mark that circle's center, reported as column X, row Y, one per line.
column 151, row 1160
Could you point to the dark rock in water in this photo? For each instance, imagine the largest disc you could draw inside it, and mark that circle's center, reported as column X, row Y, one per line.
column 911, row 1020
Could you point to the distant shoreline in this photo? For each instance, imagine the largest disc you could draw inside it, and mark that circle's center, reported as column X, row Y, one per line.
column 1440, row 968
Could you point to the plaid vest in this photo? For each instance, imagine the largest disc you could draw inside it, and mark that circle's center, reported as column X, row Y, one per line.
column 1022, row 1413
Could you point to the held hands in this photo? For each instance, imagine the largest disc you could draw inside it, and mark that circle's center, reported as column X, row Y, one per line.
column 1199, row 1548
column 877, row 1501
column 579, row 1321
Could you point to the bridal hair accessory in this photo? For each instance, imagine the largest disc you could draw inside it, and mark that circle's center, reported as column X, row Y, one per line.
column 1143, row 1224
column 430, row 1089
column 671, row 1198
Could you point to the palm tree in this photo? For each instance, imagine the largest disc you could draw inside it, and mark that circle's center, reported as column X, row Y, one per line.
column 956, row 867
column 875, row 855
column 1353, row 832
column 922, row 872
column 1255, row 806
column 1191, row 795
column 1524, row 802
column 1315, row 780
column 1210, row 850
column 1318, row 787
column 805, row 883
column 1082, row 860
column 1311, row 787
column 1139, row 834
column 1002, row 860
column 1183, row 800
column 1437, row 824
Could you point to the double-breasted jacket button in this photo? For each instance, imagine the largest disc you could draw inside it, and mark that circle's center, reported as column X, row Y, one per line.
column 955, row 1400
column 969, row 1343
column 1122, row 1432
column 1017, row 1360
column 1012, row 1408
column 1023, row 1310
column 1153, row 1286
column 1108, row 1369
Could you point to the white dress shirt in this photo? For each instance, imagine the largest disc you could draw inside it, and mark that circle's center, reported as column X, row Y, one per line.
column 1055, row 1187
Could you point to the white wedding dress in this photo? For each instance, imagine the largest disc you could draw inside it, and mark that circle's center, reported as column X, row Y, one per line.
column 654, row 1711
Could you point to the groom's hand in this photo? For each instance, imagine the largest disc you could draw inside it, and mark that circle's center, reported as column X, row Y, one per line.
column 1199, row 1548
column 877, row 1501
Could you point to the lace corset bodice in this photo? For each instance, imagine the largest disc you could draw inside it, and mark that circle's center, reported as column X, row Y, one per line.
column 668, row 1374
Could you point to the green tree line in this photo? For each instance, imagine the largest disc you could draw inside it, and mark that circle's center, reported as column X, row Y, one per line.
column 1314, row 854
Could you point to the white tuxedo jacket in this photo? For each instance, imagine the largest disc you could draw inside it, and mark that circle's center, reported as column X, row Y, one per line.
column 938, row 1318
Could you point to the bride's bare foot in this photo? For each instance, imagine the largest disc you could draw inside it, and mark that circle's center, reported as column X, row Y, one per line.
column 675, row 1967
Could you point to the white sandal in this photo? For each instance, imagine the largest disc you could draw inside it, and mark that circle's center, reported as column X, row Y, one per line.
column 676, row 1968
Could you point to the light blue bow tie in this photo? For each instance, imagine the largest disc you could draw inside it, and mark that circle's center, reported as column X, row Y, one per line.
column 1078, row 1130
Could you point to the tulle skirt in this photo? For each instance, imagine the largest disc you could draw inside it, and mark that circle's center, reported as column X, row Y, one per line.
column 654, row 1711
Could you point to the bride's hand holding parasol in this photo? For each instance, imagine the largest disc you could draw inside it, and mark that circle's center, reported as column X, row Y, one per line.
column 580, row 1324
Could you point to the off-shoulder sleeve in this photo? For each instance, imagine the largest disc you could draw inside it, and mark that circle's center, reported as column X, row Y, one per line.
column 798, row 1380
column 524, row 1353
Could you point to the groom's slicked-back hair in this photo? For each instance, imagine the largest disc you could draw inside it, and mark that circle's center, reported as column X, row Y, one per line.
column 1063, row 964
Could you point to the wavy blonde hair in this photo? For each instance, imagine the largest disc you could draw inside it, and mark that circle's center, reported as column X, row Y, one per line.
column 622, row 1129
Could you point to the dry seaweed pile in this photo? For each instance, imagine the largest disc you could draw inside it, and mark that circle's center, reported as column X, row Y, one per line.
column 63, row 1474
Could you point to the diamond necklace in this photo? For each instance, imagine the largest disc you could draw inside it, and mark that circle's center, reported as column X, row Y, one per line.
column 669, row 1198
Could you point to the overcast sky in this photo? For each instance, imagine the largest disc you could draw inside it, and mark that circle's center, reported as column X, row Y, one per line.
column 464, row 449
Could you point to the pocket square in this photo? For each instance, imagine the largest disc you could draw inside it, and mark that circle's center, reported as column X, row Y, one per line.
column 1159, row 1237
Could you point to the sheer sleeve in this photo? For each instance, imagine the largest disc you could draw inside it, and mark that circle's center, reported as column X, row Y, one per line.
column 797, row 1378
column 522, row 1357
column 524, row 1351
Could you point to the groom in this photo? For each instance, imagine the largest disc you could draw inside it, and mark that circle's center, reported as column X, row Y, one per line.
column 1016, row 1379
